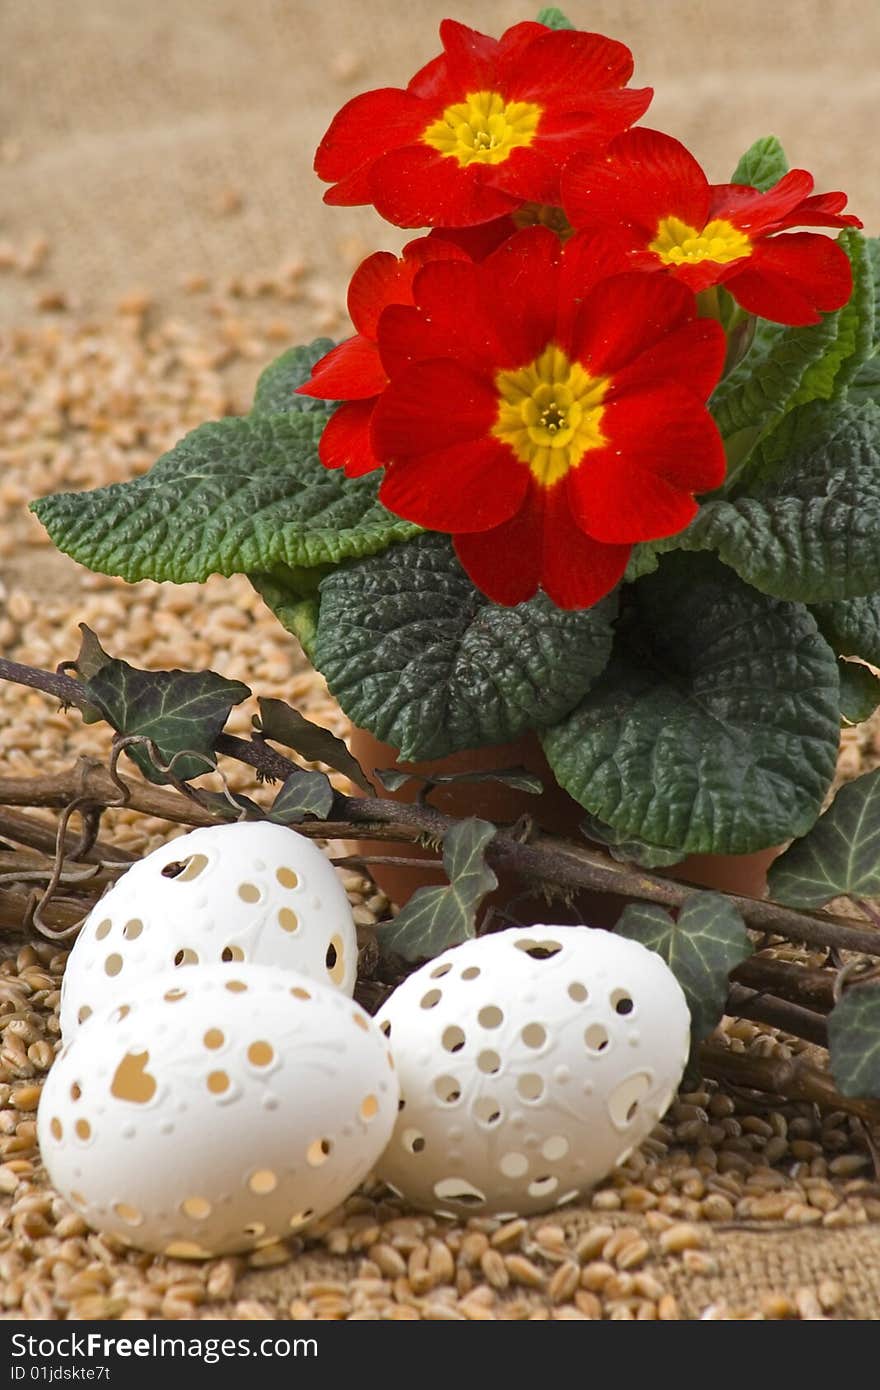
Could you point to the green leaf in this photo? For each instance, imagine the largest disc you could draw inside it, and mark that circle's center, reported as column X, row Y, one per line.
column 517, row 778
column 866, row 383
column 701, row 948
column 303, row 794
column 283, row 724
column 419, row 657
column 91, row 657
column 839, row 857
column 852, row 626
column 715, row 727
column 235, row 496
column 294, row 601
column 762, row 165
column 178, row 710
column 813, row 532
column 435, row 918
column 854, row 1041
column 859, row 691
column 277, row 385
column 221, row 803
column 628, row 851
column 554, row 18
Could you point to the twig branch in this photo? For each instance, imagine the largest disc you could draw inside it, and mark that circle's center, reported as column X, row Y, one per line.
column 794, row 1079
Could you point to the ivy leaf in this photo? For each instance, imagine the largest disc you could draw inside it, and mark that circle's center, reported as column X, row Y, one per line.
column 762, row 165
column 839, row 856
column 419, row 657
column 283, row 724
column 628, row 851
column 554, row 18
column 235, row 496
column 811, row 533
column 220, row 804
column 701, row 948
column 435, row 918
column 854, row 1041
column 302, row 794
column 91, row 657
column 277, row 385
column 715, row 727
column 178, row 710
column 517, row 778
column 859, row 691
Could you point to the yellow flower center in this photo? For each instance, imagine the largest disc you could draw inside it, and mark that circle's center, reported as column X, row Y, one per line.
column 550, row 413
column 678, row 244
column 484, row 128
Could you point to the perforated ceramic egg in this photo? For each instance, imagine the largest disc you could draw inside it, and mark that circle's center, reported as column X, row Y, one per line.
column 253, row 892
column 217, row 1110
column 531, row 1063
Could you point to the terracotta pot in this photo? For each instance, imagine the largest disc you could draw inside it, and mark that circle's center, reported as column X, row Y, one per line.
column 554, row 810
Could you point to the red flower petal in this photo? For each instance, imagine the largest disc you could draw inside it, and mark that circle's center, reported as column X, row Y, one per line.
column 645, row 176
column 477, row 242
column 418, row 187
column 790, row 277
column 469, row 487
column 448, row 322
column 587, row 258
column 622, row 317
column 755, row 212
column 694, row 354
column 822, row 210
column 471, row 57
column 561, row 67
column 345, row 441
column 368, row 126
column 518, row 290
column 351, row 371
column 434, row 405
column 625, row 503
column 384, row 279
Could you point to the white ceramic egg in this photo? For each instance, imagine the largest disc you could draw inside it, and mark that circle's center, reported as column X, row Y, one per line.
column 217, row 1111
column 531, row 1063
column 253, row 891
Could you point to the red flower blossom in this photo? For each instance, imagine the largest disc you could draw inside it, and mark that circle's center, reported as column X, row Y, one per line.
column 353, row 371
column 482, row 128
column 547, row 412
column 653, row 194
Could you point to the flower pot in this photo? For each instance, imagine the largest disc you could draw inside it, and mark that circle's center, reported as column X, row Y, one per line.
column 555, row 811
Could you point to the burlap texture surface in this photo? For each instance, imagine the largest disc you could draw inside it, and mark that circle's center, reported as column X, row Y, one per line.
column 148, row 143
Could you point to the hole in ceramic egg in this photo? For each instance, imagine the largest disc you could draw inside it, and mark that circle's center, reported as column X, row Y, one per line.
column 453, row 1038
column 413, row 1141
column 471, row 973
column 132, row 930
column 83, row 1013
column 431, row 999
column 75, row 1091
column 624, row 1101
column 262, row 1182
column 83, row 1129
column 487, row 1110
column 447, row 1089
column 131, row 1080
column 530, row 1086
column 113, row 964
column 514, row 1165
column 578, row 992
column 318, row 1152
column 596, row 1037
column 300, row 1218
column 239, row 987
column 621, row 1002
column 254, row 1229
column 459, row 1190
column 213, row 1038
column 385, row 1027
column 217, row 1082
column 299, row 993
column 288, row 920
column 334, row 960
column 132, row 1216
column 440, row 970
column 489, row 1062
column 249, row 892
column 369, row 1107
column 260, row 1054
column 103, row 929
column 185, row 870
column 186, row 957
column 538, row 950
column 174, row 996
column 555, row 1147
column 534, row 1035
column 56, row 1129
column 490, row 1017
column 231, row 953
column 287, row 877
column 543, row 1186
column 361, row 1022
column 78, row 1199
column 196, row 1207
column 119, row 1014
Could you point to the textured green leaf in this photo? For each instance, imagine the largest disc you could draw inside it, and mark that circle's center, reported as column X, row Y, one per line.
column 417, row 655
column 852, row 626
column 554, row 18
column 812, row 532
column 628, row 850
column 178, row 710
column 839, row 856
column 278, row 382
column 859, row 691
column 235, row 496
column 303, row 794
column 762, row 165
column 854, row 1041
column 435, row 918
column 866, row 384
column 715, row 726
column 701, row 948
column 283, row 724
column 517, row 778
column 297, row 611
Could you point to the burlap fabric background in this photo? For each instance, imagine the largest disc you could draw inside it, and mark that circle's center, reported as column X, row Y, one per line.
column 150, row 143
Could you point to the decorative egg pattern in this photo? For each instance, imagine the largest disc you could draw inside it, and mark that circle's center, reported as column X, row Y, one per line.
column 217, row 1110
column 253, row 892
column 531, row 1063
